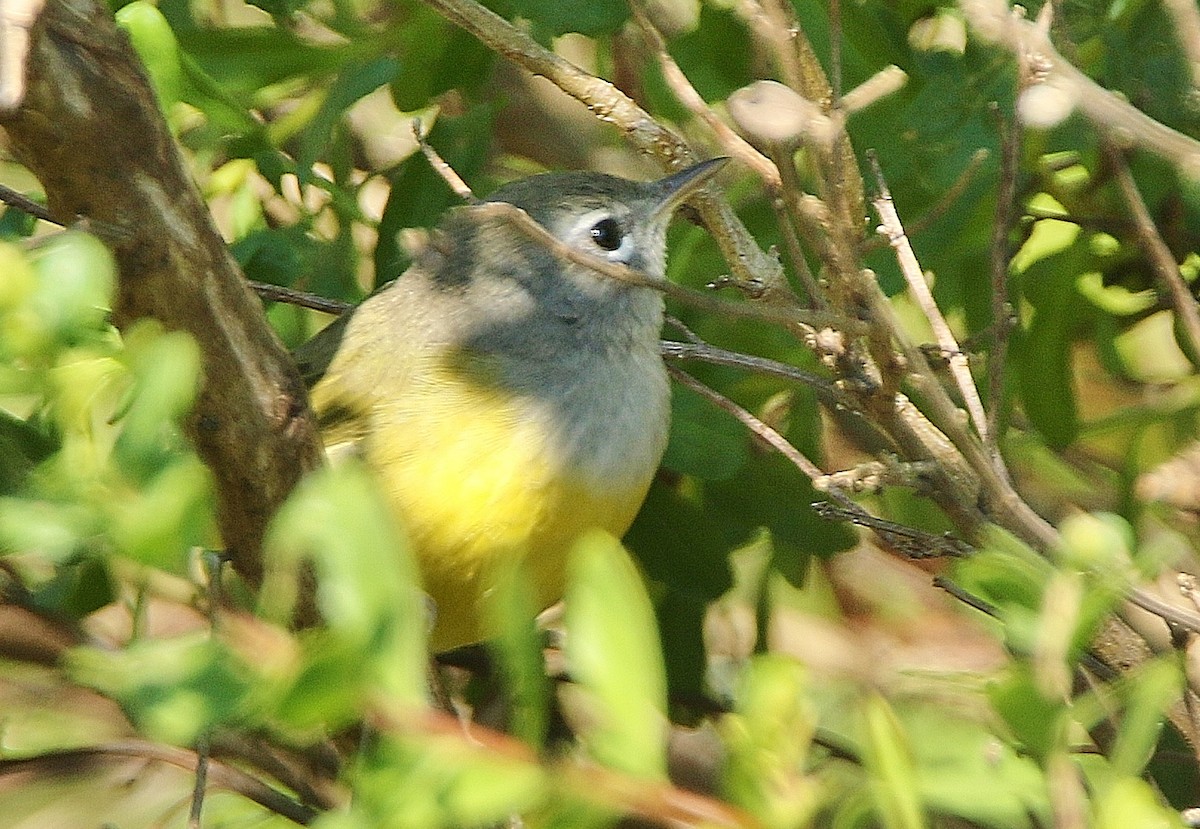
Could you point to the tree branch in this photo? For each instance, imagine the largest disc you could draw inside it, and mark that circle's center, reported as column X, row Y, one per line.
column 90, row 129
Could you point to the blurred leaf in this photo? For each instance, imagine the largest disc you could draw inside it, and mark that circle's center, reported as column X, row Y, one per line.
column 1150, row 692
column 167, row 517
column 889, row 760
column 613, row 655
column 155, row 43
column 74, row 277
column 367, row 585
column 174, row 689
column 512, row 609
column 165, row 369
column 23, row 445
column 441, row 781
column 77, row 589
column 1036, row 721
column 767, row 738
column 1132, row 802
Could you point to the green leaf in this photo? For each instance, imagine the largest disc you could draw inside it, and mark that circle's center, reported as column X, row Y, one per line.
column 1132, row 802
column 165, row 368
column 174, row 689
column 705, row 441
column 1150, row 691
column 367, row 584
column 155, row 44
column 767, row 738
column 1039, row 723
column 587, row 17
column 613, row 655
column 889, row 761
column 419, row 196
column 512, row 610
column 74, row 277
column 354, row 82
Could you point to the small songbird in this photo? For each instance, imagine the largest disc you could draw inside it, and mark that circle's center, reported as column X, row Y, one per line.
column 507, row 397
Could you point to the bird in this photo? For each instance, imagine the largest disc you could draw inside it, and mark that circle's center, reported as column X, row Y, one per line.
column 506, row 397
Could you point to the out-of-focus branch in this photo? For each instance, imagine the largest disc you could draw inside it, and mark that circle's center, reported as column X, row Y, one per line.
column 90, row 129
column 1186, row 16
column 219, row 774
column 1068, row 88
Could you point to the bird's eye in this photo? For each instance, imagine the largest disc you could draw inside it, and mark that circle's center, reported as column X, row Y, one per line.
column 607, row 234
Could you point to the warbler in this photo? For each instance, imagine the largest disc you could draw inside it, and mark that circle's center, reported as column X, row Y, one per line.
column 508, row 397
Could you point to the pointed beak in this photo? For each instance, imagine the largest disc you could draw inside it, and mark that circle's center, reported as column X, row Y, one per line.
column 675, row 188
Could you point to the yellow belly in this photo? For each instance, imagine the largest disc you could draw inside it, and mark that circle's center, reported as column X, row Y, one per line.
column 480, row 482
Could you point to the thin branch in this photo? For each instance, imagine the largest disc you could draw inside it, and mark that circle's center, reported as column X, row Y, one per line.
column 893, row 230
column 25, row 204
column 304, row 299
column 1162, row 261
column 908, row 541
column 998, row 260
column 686, row 94
column 441, row 166
column 199, row 785
column 826, row 391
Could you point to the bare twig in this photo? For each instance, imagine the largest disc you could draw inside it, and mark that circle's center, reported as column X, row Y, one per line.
column 304, row 299
column 25, row 204
column 1010, row 149
column 886, row 81
column 1162, row 261
column 687, row 95
column 893, row 231
column 910, row 542
column 440, row 165
column 826, row 391
column 199, row 785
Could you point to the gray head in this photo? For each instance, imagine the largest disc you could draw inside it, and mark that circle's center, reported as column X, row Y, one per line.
column 614, row 218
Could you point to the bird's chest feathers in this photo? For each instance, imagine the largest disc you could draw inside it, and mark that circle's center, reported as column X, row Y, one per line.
column 471, row 457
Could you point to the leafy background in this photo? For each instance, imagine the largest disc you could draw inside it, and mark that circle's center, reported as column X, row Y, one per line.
column 814, row 677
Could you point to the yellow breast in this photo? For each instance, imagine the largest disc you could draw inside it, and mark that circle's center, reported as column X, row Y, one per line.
column 481, row 478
